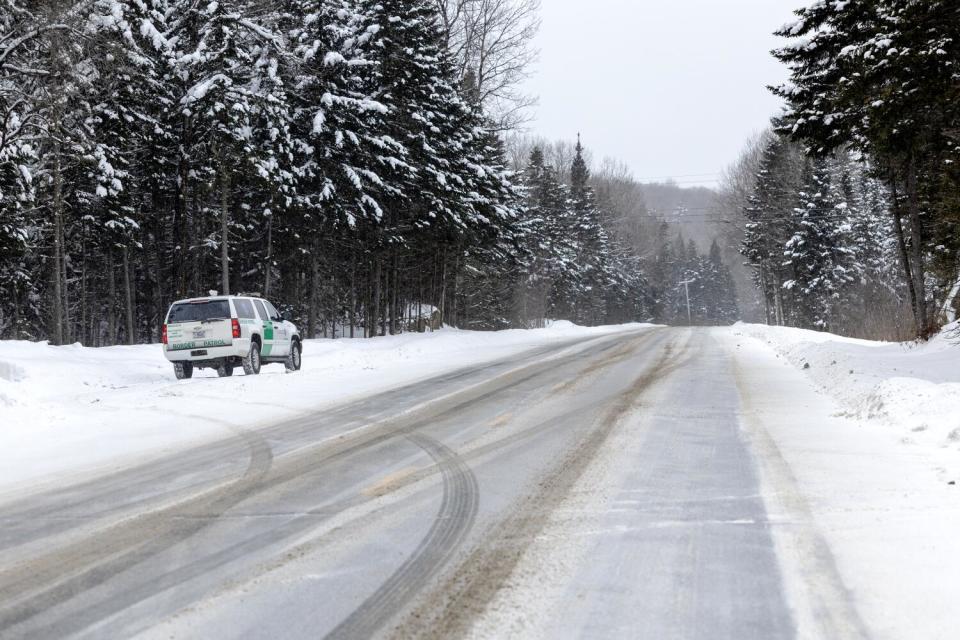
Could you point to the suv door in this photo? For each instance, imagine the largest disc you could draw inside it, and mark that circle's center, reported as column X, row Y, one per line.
column 268, row 333
column 281, row 336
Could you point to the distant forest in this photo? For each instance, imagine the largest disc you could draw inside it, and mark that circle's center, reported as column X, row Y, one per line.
column 355, row 161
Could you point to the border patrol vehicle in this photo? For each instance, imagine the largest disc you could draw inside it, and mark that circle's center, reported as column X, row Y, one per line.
column 225, row 332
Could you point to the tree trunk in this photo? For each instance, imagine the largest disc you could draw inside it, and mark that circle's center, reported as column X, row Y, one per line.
column 395, row 272
column 385, row 301
column 421, row 328
column 765, row 293
column 224, row 227
column 96, row 309
column 268, row 262
column 159, row 297
column 67, row 325
column 197, row 230
column 443, row 285
column 916, row 248
column 128, row 297
column 778, row 298
column 454, row 315
column 375, row 303
column 15, row 319
column 904, row 255
column 314, row 293
column 85, row 332
column 183, row 235
column 353, row 291
column 56, row 272
column 112, row 299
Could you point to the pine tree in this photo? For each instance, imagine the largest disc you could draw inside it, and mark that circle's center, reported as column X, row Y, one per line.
column 426, row 113
column 549, row 254
column 346, row 153
column 819, row 253
column 592, row 245
column 720, row 293
column 768, row 218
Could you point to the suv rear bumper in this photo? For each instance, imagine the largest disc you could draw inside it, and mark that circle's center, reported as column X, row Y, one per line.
column 198, row 353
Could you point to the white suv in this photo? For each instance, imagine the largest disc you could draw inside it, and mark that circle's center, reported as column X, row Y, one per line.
column 223, row 332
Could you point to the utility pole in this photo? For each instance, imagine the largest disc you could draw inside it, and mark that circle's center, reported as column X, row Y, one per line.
column 686, row 288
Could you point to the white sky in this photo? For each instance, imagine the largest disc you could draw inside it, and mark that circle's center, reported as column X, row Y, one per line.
column 671, row 87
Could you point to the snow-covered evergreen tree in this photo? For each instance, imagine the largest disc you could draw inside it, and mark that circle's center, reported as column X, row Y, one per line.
column 347, row 158
column 550, row 256
column 818, row 252
column 592, row 245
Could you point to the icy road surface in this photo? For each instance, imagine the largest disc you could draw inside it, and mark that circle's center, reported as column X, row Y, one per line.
column 623, row 486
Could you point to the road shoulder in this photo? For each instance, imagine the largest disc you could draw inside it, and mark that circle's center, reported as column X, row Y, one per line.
column 888, row 522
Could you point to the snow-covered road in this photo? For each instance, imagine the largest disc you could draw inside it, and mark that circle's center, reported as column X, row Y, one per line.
column 636, row 482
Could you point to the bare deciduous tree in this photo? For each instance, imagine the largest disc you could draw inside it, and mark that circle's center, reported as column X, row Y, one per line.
column 492, row 45
column 557, row 154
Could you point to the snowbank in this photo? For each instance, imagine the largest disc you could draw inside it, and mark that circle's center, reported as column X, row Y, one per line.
column 913, row 388
column 70, row 409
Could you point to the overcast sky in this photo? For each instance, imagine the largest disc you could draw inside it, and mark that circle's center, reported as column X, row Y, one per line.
column 671, row 87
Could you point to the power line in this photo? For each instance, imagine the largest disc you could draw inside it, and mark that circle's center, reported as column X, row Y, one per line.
column 695, row 212
column 674, row 183
column 689, row 175
column 700, row 218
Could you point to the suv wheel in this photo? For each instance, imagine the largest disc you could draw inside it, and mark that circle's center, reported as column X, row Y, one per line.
column 183, row 370
column 295, row 357
column 225, row 369
column 251, row 362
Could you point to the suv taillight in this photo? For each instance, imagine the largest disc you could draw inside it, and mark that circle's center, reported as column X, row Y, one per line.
column 236, row 327
column 163, row 334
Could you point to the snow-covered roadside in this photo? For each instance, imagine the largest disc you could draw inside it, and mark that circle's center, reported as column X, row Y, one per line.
column 72, row 409
column 863, row 484
column 911, row 389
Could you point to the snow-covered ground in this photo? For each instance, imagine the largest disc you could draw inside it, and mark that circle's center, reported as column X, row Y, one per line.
column 857, row 448
column 911, row 389
column 72, row 409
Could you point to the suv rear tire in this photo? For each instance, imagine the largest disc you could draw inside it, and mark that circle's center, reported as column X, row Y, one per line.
column 295, row 357
column 183, row 370
column 225, row 369
column 251, row 362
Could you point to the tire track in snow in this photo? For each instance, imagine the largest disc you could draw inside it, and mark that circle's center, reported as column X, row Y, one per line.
column 458, row 511
column 38, row 585
column 451, row 607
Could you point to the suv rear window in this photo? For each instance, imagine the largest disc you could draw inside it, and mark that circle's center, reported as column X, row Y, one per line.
column 244, row 308
column 199, row 311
